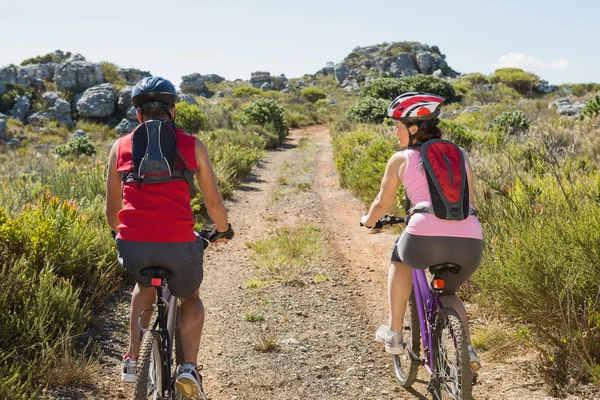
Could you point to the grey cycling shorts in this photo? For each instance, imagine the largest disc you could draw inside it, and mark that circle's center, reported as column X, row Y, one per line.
column 183, row 260
column 422, row 252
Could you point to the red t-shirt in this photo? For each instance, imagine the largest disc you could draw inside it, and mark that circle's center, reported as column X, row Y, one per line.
column 158, row 212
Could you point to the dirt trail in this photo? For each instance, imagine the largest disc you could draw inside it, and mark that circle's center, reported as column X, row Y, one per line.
column 328, row 351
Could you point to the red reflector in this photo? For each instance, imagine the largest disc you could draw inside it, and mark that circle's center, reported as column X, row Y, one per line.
column 156, row 282
column 438, row 283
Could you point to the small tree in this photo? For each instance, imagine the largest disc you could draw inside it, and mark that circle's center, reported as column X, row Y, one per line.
column 190, row 118
column 313, row 94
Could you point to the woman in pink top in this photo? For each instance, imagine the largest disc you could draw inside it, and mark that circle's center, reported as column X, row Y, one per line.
column 427, row 240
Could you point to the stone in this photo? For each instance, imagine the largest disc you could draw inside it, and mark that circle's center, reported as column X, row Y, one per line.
column 79, row 133
column 51, row 98
column 426, row 62
column 301, row 83
column 290, row 341
column 8, row 75
column 188, row 98
column 97, row 101
column 39, row 118
column 133, row 75
column 13, row 143
column 341, row 71
column 124, row 102
column 32, row 72
column 124, row 127
column 3, row 120
column 61, row 111
column 545, row 88
column 21, row 108
column 132, row 114
column 266, row 86
column 438, row 73
column 286, row 90
column 78, row 76
column 471, row 109
column 259, row 78
column 565, row 107
column 76, row 57
column 196, row 83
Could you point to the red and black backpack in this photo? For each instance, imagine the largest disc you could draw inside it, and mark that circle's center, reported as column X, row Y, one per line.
column 444, row 166
column 155, row 157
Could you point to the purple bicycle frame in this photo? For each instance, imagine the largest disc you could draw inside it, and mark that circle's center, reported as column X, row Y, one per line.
column 427, row 307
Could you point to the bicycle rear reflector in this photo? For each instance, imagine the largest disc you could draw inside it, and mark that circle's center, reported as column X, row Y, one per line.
column 438, row 284
column 156, row 282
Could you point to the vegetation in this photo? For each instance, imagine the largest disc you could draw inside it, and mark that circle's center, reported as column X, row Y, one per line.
column 517, row 79
column 368, row 109
column 512, row 122
column 76, row 147
column 592, row 107
column 189, row 117
column 111, row 75
column 313, row 94
column 45, row 59
column 390, row 88
column 266, row 112
column 246, row 91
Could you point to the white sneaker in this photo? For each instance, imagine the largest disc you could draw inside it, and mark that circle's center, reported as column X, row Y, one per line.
column 129, row 370
column 189, row 383
column 474, row 359
column 393, row 341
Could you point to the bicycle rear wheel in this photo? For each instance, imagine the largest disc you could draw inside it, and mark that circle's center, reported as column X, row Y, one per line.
column 405, row 367
column 150, row 372
column 451, row 357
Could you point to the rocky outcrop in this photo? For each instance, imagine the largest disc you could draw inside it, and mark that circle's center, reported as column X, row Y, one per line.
column 188, row 98
column 265, row 81
column 97, row 102
column 545, row 88
column 124, row 102
column 60, row 109
column 196, row 84
column 78, row 76
column 124, row 127
column 132, row 114
column 133, row 75
column 565, row 107
column 8, row 75
column 3, row 120
column 21, row 108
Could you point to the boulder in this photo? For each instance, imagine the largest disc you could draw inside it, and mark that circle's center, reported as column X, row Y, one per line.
column 133, row 75
column 426, row 62
column 97, row 101
column 266, row 86
column 438, row 73
column 471, row 109
column 79, row 133
column 544, row 87
column 78, row 76
column 196, row 83
column 132, row 114
column 341, row 71
column 60, row 109
column 565, row 107
column 76, row 57
column 21, row 108
column 32, row 72
column 188, row 98
column 124, row 102
column 124, row 127
column 3, row 120
column 39, row 118
column 8, row 74
column 259, row 78
column 51, row 98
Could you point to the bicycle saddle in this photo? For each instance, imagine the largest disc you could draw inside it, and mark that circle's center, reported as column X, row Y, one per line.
column 440, row 269
column 155, row 272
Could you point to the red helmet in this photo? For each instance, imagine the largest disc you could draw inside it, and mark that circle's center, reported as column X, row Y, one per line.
column 415, row 106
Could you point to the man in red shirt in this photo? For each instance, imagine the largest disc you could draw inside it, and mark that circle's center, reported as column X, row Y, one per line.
column 155, row 226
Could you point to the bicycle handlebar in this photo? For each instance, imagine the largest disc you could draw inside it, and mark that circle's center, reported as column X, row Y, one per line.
column 387, row 220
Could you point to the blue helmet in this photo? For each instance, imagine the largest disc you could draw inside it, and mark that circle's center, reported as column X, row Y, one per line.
column 154, row 89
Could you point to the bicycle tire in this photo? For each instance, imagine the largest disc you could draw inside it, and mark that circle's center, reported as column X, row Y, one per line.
column 407, row 376
column 449, row 330
column 149, row 358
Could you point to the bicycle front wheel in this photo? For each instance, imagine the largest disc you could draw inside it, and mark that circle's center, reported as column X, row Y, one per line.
column 405, row 367
column 150, row 372
column 451, row 357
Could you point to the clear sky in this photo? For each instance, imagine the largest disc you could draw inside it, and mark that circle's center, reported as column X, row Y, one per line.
column 558, row 40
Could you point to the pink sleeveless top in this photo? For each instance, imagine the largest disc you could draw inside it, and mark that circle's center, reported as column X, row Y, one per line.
column 425, row 224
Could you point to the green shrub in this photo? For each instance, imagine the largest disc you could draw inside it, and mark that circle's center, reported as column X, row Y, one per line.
column 521, row 81
column 45, row 59
column 458, row 134
column 580, row 89
column 512, row 122
column 430, row 84
column 360, row 158
column 246, row 91
column 266, row 112
column 592, row 107
column 7, row 100
column 322, row 103
column 111, row 75
column 189, row 117
column 76, row 147
column 368, row 109
column 313, row 94
column 384, row 88
column 475, row 78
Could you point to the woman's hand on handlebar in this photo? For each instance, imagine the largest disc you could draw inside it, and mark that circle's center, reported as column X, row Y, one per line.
column 214, row 236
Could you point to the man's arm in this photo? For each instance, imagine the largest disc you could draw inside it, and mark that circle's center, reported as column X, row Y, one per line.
column 114, row 201
column 210, row 191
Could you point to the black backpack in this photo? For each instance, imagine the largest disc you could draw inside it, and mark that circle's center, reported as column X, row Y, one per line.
column 444, row 165
column 155, row 158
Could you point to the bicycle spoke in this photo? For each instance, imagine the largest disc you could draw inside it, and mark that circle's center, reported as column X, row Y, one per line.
column 448, row 370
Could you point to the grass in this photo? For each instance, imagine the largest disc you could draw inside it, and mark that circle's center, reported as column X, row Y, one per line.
column 320, row 278
column 496, row 338
column 288, row 255
column 266, row 344
column 254, row 317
